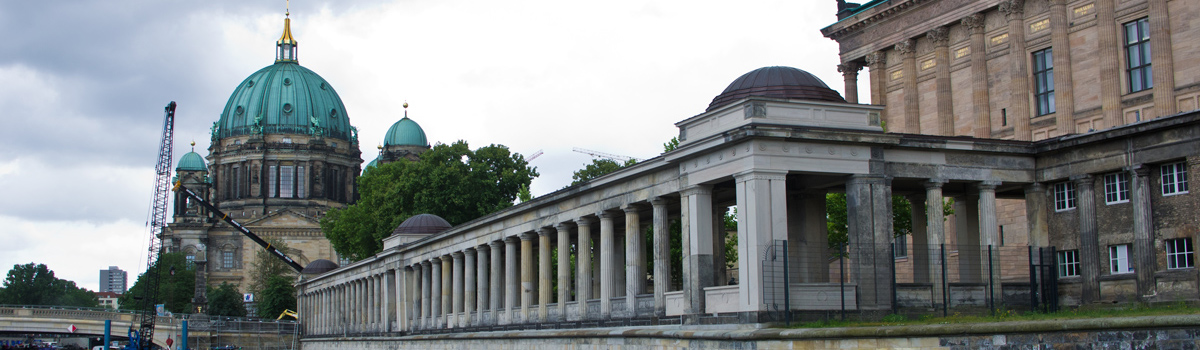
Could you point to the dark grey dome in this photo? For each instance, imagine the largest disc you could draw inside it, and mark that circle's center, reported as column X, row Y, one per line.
column 777, row 82
column 319, row 266
column 423, row 224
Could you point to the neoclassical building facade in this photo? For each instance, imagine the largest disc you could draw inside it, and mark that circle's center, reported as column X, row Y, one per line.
column 773, row 145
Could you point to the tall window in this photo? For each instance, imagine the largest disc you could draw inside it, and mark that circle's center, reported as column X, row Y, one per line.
column 287, row 173
column 1118, row 258
column 900, row 248
column 227, row 259
column 1137, row 55
column 1179, row 253
column 1043, row 77
column 1174, row 179
column 1116, row 188
column 237, row 182
column 272, row 174
column 1068, row 263
column 1064, row 196
column 300, row 177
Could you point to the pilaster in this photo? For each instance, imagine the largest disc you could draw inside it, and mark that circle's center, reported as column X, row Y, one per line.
column 1089, row 244
column 940, row 37
column 980, row 100
column 1019, row 113
column 1162, row 58
column 912, row 111
column 1064, row 86
column 1109, row 48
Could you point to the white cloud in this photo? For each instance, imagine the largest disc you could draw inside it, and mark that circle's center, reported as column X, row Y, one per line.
column 74, row 250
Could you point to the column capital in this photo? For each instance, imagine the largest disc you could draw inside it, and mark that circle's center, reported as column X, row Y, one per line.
column 583, row 221
column 658, row 201
column 906, row 47
column 1082, row 179
column 1035, row 188
column 940, row 36
column 497, row 244
column 865, row 178
column 876, row 58
column 758, row 175
column 1140, row 170
column 469, row 251
column 988, row 185
column 934, row 183
column 605, row 214
column 435, row 261
column 545, row 231
column 563, row 227
column 447, row 258
column 849, row 68
column 696, row 190
column 630, row 208
column 1013, row 9
column 974, row 23
column 1057, row 2
column 528, row 236
column 457, row 255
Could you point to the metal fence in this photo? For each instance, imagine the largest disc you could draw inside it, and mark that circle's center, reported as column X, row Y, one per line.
column 213, row 332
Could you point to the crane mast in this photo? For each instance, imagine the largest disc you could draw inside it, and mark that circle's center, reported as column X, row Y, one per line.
column 144, row 337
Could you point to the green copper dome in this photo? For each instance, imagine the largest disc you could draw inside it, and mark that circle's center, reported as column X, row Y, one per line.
column 285, row 98
column 370, row 165
column 191, row 161
column 405, row 132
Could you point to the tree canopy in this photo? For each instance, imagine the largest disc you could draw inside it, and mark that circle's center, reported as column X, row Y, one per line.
column 450, row 181
column 35, row 284
column 225, row 300
column 174, row 290
column 265, row 275
column 278, row 294
column 598, row 168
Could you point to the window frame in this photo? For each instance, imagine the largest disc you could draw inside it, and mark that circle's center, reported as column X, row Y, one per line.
column 1043, row 82
column 1174, row 178
column 900, row 247
column 1064, row 196
column 1068, row 267
column 1175, row 256
column 227, row 259
column 1118, row 257
column 1137, row 49
column 1116, row 188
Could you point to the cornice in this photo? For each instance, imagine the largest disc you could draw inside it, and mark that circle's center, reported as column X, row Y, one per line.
column 859, row 21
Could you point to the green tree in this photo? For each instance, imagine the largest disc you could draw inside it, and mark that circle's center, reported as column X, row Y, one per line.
column 35, row 284
column 176, row 284
column 278, row 294
column 225, row 300
column 836, row 217
column 450, row 181
column 524, row 195
column 266, row 268
column 598, row 168
column 671, row 145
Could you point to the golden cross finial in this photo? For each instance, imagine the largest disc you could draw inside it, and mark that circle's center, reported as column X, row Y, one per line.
column 287, row 11
column 405, row 109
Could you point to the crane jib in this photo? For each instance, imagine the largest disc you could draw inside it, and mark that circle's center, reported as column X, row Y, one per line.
column 245, row 231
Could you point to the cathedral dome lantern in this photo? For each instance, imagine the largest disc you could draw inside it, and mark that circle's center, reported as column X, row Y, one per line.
column 286, row 46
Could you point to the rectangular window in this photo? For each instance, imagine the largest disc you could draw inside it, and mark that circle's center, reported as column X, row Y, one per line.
column 900, row 247
column 227, row 259
column 1179, row 253
column 1116, row 188
column 237, row 182
column 272, row 174
column 1068, row 263
column 1118, row 259
column 286, row 174
column 1137, row 55
column 1064, row 196
column 1043, row 78
column 1174, row 179
column 300, row 176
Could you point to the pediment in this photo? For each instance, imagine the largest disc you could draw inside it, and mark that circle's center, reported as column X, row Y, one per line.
column 284, row 218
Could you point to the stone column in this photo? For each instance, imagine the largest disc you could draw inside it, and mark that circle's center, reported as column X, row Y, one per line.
column 446, row 309
column 1064, row 86
column 564, row 269
column 808, row 236
column 966, row 213
column 469, row 286
column 1036, row 212
column 482, row 281
column 544, row 285
column 912, row 112
column 1109, row 50
column 849, row 72
column 1089, row 244
column 935, row 228
column 662, row 256
column 527, row 278
column 1019, row 112
column 981, row 104
column 869, row 221
column 940, row 37
column 920, row 237
column 635, row 258
column 1162, row 58
column 512, row 282
column 989, row 234
column 496, row 280
column 456, row 295
column 877, row 62
column 762, row 219
column 1143, row 232
column 608, row 264
column 406, row 301
column 583, row 265
column 696, row 203
column 427, row 293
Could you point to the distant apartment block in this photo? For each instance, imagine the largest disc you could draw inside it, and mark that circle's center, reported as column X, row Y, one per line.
column 113, row 280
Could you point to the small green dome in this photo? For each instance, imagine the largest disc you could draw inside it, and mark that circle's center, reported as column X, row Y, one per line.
column 405, row 132
column 284, row 98
column 370, row 165
column 191, row 161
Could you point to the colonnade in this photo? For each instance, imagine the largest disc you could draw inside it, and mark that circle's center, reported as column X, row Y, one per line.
column 359, row 305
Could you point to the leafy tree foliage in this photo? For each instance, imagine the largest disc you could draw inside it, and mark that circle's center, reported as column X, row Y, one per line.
column 450, row 181
column 175, row 290
column 35, row 284
column 277, row 295
column 671, row 145
column 598, row 168
column 225, row 300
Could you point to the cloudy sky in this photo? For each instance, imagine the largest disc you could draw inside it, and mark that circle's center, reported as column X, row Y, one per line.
column 83, row 86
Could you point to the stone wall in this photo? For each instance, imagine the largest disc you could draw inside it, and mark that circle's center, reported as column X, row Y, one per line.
column 1152, row 332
